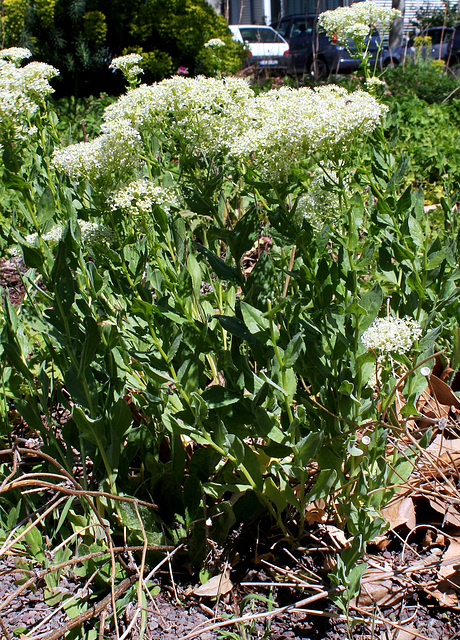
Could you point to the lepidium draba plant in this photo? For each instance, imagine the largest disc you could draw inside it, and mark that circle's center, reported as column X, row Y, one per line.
column 227, row 317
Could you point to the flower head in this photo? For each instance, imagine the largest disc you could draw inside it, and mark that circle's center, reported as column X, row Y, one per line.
column 357, row 21
column 391, row 335
column 15, row 54
column 129, row 66
column 116, row 149
column 269, row 132
column 321, row 203
column 374, row 85
column 22, row 89
column 138, row 198
column 91, row 233
column 215, row 43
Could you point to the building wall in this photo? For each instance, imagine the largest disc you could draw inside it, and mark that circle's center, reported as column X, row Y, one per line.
column 411, row 8
column 217, row 5
column 267, row 11
column 253, row 11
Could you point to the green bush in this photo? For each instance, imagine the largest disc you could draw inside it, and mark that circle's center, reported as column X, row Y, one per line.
column 79, row 38
column 430, row 135
column 426, row 79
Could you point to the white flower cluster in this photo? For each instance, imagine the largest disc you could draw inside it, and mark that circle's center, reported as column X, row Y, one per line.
column 357, row 20
column 284, row 125
column 321, row 205
column 138, row 198
column 91, row 233
column 270, row 131
column 116, row 149
column 21, row 90
column 202, row 112
column 391, row 335
column 15, row 54
column 374, row 84
column 128, row 65
column 215, row 43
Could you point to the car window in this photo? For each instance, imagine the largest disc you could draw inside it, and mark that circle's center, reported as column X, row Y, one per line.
column 253, row 34
column 435, row 36
column 283, row 27
column 301, row 27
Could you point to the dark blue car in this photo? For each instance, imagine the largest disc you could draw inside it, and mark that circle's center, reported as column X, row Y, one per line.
column 313, row 52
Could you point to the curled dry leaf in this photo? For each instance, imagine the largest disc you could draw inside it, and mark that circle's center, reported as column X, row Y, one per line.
column 450, row 513
column 338, row 537
column 408, row 633
column 443, row 392
column 316, row 512
column 400, row 511
column 451, row 560
column 384, row 593
column 446, row 450
column 216, row 586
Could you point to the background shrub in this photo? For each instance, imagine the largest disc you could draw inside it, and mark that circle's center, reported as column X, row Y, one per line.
column 80, row 38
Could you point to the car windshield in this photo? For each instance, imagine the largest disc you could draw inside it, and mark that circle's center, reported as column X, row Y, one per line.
column 254, row 34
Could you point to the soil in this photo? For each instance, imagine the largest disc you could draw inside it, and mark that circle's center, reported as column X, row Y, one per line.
column 176, row 613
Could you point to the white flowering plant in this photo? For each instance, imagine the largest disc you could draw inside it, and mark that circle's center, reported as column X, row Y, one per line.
column 224, row 301
column 129, row 65
column 353, row 26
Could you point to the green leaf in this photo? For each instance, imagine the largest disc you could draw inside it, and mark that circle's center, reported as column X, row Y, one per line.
column 30, row 415
column 252, row 465
column 416, row 231
column 245, row 233
column 11, row 161
column 307, row 448
column 236, row 327
column 418, row 202
column 221, row 268
column 93, row 430
column 261, row 281
column 194, row 270
column 323, row 485
column 121, row 419
column 33, row 257
column 253, row 318
column 45, row 206
column 217, row 396
column 91, row 343
column 371, row 301
column 295, row 347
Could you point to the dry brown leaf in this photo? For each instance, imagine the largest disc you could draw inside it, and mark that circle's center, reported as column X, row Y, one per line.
column 381, row 542
column 399, row 512
column 449, row 512
column 452, row 553
column 373, row 593
column 443, row 392
column 445, row 594
column 447, row 450
column 376, row 590
column 337, row 536
column 216, row 586
column 316, row 512
column 409, row 633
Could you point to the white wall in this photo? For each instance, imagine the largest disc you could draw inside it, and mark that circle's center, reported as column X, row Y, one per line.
column 412, row 6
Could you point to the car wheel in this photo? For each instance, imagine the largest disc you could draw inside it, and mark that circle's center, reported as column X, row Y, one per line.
column 317, row 68
column 390, row 63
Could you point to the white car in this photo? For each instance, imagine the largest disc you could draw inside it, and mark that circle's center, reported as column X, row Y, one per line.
column 268, row 49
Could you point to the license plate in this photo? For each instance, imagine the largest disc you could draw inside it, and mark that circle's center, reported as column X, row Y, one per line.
column 267, row 62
